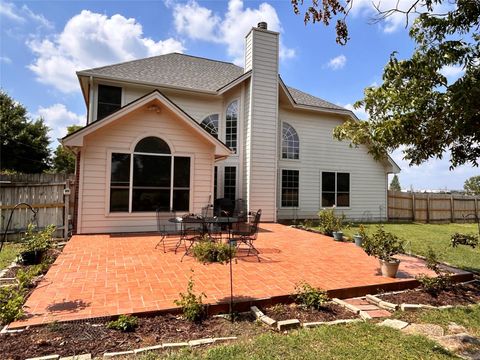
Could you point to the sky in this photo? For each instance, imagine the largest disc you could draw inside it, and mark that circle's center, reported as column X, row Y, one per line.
column 43, row 44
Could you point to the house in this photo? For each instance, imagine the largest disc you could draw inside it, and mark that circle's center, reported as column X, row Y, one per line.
column 177, row 131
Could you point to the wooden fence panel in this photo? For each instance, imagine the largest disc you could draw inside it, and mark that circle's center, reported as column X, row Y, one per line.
column 45, row 192
column 429, row 207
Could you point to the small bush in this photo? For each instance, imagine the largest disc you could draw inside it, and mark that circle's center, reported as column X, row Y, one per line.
column 39, row 241
column 464, row 239
column 382, row 244
column 329, row 222
column 124, row 323
column 310, row 297
column 207, row 251
column 191, row 304
column 441, row 282
column 11, row 301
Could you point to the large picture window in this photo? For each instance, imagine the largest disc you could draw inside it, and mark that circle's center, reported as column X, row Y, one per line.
column 109, row 100
column 335, row 189
column 290, row 188
column 159, row 180
column 231, row 125
column 290, row 142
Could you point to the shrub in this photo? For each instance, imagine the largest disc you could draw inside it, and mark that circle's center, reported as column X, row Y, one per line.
column 310, row 297
column 441, row 282
column 191, row 304
column 38, row 240
column 464, row 239
column 207, row 251
column 11, row 301
column 329, row 222
column 124, row 323
column 382, row 244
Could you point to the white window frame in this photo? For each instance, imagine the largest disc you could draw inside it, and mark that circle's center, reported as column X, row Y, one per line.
column 281, row 188
column 281, row 143
column 336, row 192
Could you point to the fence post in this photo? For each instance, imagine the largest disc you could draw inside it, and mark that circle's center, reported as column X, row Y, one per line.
column 66, row 208
column 413, row 207
column 428, row 208
column 452, row 208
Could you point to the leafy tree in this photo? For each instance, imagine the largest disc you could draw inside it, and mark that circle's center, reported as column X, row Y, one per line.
column 63, row 159
column 472, row 185
column 416, row 107
column 24, row 142
column 395, row 184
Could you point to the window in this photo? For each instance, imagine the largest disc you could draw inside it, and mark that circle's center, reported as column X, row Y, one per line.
column 215, row 183
column 159, row 180
column 335, row 189
column 290, row 142
column 231, row 125
column 290, row 188
column 109, row 100
column 210, row 123
column 230, row 182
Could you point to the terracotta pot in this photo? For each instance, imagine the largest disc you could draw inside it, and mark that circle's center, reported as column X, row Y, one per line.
column 389, row 268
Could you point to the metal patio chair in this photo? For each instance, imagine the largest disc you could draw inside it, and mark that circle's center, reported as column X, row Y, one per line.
column 168, row 229
column 247, row 233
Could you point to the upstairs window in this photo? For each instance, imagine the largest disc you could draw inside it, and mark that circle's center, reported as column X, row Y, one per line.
column 109, row 100
column 210, row 123
column 231, row 125
column 335, row 189
column 290, row 142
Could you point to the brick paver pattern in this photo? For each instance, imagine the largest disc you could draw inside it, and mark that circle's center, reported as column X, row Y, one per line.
column 105, row 275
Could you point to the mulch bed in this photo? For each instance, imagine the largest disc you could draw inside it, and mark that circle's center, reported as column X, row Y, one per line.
column 67, row 339
column 461, row 294
column 329, row 312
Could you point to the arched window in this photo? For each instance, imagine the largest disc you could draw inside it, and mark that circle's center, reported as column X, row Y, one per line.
column 210, row 123
column 160, row 180
column 231, row 125
column 290, row 142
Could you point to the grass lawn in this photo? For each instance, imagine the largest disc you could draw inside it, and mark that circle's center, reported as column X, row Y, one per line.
column 8, row 254
column 419, row 237
column 353, row 341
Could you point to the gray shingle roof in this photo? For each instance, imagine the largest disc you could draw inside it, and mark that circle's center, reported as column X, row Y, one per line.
column 180, row 70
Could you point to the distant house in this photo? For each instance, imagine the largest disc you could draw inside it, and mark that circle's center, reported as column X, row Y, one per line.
column 178, row 131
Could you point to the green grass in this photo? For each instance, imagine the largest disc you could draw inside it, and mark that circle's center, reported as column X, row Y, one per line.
column 353, row 341
column 468, row 316
column 419, row 237
column 8, row 254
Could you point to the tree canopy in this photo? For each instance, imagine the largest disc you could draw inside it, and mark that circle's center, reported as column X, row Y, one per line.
column 24, row 142
column 63, row 159
column 395, row 184
column 417, row 108
column 472, row 185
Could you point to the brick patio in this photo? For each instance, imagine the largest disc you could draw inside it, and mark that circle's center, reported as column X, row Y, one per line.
column 105, row 275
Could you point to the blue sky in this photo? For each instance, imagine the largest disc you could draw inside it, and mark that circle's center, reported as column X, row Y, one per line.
column 43, row 43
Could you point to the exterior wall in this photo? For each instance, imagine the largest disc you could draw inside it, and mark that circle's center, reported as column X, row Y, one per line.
column 319, row 151
column 263, row 127
column 122, row 136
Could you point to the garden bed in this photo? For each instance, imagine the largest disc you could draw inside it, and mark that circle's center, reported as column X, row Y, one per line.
column 67, row 339
column 460, row 294
column 328, row 312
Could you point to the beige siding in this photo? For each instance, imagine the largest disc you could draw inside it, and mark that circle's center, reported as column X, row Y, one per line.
column 263, row 117
column 121, row 136
column 319, row 151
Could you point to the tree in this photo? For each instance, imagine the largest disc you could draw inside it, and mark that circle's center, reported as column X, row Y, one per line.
column 417, row 107
column 395, row 184
column 472, row 185
column 63, row 159
column 24, row 142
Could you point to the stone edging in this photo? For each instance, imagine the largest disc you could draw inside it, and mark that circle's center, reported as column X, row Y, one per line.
column 363, row 314
column 4, row 271
column 295, row 323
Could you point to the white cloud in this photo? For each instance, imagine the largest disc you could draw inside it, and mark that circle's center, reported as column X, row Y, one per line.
column 23, row 14
column 5, row 60
column 90, row 40
column 360, row 112
column 452, row 72
column 201, row 23
column 337, row 62
column 58, row 117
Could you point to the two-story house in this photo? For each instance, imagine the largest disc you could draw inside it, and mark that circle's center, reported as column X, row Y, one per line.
column 176, row 132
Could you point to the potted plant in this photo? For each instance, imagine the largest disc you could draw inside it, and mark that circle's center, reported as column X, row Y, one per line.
column 358, row 237
column 36, row 243
column 330, row 224
column 384, row 245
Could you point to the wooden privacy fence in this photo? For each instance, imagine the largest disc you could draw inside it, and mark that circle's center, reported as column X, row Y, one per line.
column 431, row 207
column 51, row 195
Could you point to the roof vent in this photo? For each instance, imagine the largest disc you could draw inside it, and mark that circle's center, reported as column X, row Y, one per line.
column 262, row 25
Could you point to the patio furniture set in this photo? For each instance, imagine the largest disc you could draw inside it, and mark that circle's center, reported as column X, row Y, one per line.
column 235, row 227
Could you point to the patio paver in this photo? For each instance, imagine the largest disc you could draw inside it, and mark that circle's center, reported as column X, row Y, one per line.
column 106, row 275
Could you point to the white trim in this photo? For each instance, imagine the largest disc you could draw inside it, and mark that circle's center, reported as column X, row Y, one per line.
column 280, row 187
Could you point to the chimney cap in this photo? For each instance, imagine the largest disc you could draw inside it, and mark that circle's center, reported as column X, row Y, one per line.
column 262, row 25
